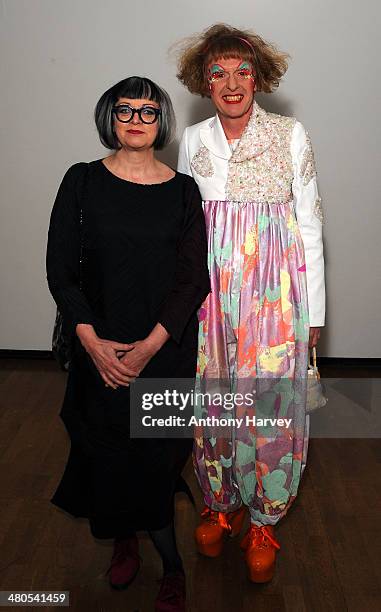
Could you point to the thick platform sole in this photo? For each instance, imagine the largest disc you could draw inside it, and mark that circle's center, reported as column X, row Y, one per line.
column 210, row 549
column 260, row 577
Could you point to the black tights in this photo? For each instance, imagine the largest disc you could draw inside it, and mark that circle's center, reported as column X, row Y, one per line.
column 164, row 541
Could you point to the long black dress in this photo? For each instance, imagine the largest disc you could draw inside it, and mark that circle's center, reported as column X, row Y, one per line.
column 143, row 255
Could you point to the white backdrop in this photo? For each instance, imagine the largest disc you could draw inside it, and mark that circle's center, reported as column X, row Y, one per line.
column 58, row 56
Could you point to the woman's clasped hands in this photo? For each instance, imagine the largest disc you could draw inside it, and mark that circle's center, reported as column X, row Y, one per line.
column 118, row 364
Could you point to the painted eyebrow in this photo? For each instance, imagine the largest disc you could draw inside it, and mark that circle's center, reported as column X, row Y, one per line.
column 216, row 68
column 245, row 65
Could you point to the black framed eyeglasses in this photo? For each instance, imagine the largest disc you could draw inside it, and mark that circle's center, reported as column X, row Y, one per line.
column 146, row 114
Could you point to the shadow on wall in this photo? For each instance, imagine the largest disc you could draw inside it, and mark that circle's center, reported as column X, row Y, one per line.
column 276, row 103
column 200, row 109
column 170, row 154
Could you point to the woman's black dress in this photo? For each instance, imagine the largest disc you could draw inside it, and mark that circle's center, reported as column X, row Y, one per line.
column 143, row 259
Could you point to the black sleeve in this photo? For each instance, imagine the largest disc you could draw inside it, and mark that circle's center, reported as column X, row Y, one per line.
column 191, row 285
column 64, row 250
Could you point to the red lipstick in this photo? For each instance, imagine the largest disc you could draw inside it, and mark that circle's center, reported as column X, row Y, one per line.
column 135, row 132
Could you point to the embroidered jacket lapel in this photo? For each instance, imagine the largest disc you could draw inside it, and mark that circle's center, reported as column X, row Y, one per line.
column 256, row 138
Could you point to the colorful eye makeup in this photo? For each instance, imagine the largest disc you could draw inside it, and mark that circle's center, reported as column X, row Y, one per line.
column 217, row 73
column 246, row 70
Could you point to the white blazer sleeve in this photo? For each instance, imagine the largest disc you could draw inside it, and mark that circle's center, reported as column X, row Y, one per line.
column 309, row 216
column 183, row 164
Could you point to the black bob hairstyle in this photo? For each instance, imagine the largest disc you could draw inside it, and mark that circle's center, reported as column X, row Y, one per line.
column 135, row 88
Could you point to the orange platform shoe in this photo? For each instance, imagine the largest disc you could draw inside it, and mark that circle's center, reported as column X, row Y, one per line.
column 215, row 525
column 260, row 546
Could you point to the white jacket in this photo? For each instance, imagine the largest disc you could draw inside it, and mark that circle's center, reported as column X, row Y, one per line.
column 273, row 162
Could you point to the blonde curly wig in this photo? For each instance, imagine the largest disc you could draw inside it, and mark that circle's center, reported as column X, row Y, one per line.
column 224, row 41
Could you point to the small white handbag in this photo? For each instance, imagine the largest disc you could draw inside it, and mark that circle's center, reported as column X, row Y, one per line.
column 315, row 396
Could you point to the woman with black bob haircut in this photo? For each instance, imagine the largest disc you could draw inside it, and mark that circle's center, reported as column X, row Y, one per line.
column 127, row 267
column 135, row 88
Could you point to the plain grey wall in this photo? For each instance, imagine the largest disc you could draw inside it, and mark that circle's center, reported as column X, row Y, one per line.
column 58, row 56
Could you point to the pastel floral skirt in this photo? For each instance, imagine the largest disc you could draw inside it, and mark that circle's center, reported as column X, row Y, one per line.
column 253, row 352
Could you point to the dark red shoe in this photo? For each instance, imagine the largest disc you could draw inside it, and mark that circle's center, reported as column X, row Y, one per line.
column 125, row 563
column 171, row 597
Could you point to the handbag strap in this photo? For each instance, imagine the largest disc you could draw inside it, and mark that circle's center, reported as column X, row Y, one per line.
column 312, row 352
column 314, row 356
